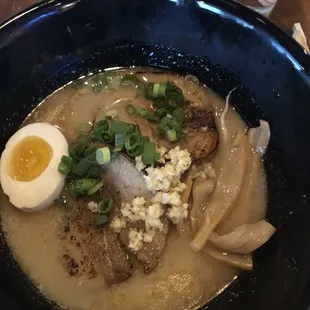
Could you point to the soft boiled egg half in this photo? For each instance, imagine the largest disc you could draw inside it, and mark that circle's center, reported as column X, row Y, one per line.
column 28, row 166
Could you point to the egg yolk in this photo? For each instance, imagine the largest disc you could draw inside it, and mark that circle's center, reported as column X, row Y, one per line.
column 29, row 159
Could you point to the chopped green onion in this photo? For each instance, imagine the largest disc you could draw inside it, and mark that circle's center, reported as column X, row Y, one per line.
column 132, row 141
column 83, row 140
column 114, row 81
column 95, row 189
column 159, row 90
column 141, row 111
column 99, row 81
column 84, row 129
column 159, row 103
column 161, row 112
column 90, row 154
column 82, row 167
column 174, row 124
column 72, row 189
column 136, row 151
column 112, row 113
column 118, row 127
column 114, row 154
column 105, row 206
column 171, row 135
column 77, row 150
column 149, row 91
column 64, row 168
column 94, row 173
column 144, row 139
column 101, row 220
column 130, row 109
column 102, row 125
column 82, row 186
column 141, row 89
column 66, row 160
column 106, row 137
column 133, row 129
column 191, row 83
column 179, row 115
column 119, row 142
column 149, row 153
column 103, row 155
column 153, row 118
column 130, row 80
column 162, row 128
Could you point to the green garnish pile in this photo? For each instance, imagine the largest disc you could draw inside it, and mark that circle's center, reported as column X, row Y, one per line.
column 100, row 143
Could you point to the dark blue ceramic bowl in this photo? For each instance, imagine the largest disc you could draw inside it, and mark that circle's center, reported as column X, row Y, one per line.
column 225, row 46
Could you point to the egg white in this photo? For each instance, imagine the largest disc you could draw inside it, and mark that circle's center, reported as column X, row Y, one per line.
column 40, row 192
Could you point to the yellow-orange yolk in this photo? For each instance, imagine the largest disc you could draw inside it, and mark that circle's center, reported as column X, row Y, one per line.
column 29, row 159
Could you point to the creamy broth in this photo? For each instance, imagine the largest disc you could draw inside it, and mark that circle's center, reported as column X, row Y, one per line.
column 52, row 255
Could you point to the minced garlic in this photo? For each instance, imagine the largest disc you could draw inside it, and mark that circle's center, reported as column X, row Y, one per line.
column 92, row 206
column 165, row 183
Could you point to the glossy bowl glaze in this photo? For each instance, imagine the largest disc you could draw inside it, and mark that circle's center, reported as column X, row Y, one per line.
column 225, row 46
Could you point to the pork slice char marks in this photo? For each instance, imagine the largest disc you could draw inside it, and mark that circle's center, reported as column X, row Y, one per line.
column 124, row 182
column 202, row 135
column 150, row 253
column 103, row 247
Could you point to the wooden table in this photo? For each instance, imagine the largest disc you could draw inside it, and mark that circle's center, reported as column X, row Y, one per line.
column 285, row 14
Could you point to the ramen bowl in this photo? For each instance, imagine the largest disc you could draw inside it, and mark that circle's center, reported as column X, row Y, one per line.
column 223, row 44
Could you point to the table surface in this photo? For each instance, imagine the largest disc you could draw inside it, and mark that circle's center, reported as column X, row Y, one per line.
column 285, row 14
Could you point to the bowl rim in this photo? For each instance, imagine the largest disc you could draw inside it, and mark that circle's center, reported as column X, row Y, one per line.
column 234, row 9
column 297, row 54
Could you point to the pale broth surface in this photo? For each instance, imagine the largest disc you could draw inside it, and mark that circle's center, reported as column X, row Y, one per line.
column 182, row 280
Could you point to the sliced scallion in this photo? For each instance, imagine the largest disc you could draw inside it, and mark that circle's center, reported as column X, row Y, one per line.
column 191, row 83
column 141, row 90
column 136, row 151
column 82, row 186
column 84, row 129
column 133, row 129
column 149, row 153
column 72, row 189
column 77, row 150
column 90, row 154
column 118, row 127
column 64, row 168
column 159, row 90
column 102, row 125
column 179, row 115
column 141, row 111
column 132, row 141
column 152, row 117
column 95, row 188
column 162, row 128
column 119, row 142
column 67, row 160
column 114, row 154
column 105, row 206
column 101, row 220
column 161, row 112
column 103, row 155
column 130, row 109
column 106, row 137
column 171, row 135
column 130, row 80
column 81, row 168
column 93, row 173
column 113, row 81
